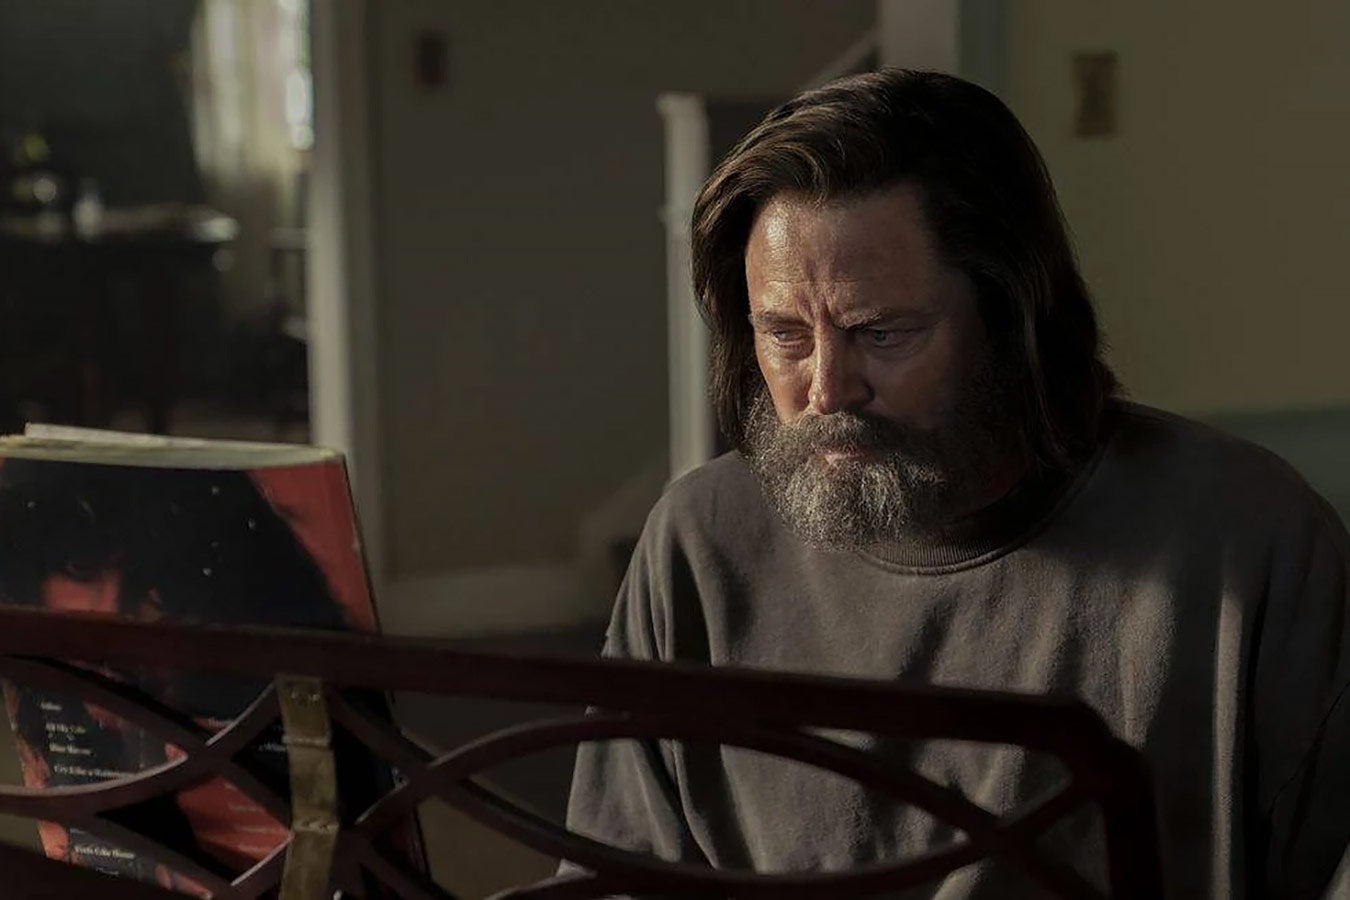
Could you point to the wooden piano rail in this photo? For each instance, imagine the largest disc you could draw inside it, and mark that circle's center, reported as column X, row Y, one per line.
column 315, row 674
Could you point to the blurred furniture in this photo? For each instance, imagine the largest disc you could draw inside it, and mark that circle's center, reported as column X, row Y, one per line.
column 780, row 714
column 62, row 321
column 286, row 353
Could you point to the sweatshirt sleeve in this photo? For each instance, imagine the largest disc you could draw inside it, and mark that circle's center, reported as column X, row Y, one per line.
column 624, row 792
column 1302, row 711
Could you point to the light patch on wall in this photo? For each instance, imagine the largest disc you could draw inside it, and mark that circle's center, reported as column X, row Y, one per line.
column 1095, row 100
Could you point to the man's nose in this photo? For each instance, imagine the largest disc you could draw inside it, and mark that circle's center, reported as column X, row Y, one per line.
column 838, row 382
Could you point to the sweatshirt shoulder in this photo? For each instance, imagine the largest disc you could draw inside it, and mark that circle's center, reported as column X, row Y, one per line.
column 714, row 497
column 1146, row 432
column 708, row 524
column 1191, row 458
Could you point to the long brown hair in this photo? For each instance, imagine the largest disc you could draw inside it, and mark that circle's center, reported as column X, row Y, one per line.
column 987, row 198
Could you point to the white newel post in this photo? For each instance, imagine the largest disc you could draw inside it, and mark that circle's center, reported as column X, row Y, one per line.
column 692, row 431
column 919, row 34
column 963, row 37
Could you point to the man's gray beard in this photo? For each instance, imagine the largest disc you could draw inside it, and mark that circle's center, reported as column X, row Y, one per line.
column 907, row 484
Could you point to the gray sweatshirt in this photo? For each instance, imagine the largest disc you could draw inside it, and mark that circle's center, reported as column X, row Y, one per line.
column 1187, row 585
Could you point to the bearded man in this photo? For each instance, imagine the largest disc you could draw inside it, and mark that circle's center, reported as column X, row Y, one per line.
column 935, row 480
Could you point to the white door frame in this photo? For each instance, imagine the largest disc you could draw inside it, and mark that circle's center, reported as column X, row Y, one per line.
column 343, row 335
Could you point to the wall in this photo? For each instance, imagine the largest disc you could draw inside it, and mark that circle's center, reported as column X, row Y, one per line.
column 519, row 254
column 1213, row 228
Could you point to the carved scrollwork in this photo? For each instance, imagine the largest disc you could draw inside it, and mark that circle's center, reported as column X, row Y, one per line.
column 779, row 715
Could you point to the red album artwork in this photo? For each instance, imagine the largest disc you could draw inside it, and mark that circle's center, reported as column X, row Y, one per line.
column 268, row 545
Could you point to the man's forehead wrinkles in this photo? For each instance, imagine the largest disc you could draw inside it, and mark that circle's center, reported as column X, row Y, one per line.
column 803, row 294
column 782, row 306
column 843, row 270
column 806, row 279
column 853, row 257
column 879, row 293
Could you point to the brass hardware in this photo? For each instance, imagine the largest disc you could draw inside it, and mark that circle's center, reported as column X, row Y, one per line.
column 308, row 735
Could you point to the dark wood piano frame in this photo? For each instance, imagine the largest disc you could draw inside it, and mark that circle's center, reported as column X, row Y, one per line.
column 313, row 677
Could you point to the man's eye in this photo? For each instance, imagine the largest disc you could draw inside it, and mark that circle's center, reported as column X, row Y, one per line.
column 887, row 337
column 785, row 337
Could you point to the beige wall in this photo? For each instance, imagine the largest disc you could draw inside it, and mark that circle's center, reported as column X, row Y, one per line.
column 1215, row 228
column 520, row 258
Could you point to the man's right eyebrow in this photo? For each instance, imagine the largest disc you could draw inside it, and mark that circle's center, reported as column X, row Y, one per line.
column 772, row 319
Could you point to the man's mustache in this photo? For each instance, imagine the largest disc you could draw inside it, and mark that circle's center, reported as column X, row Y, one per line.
column 846, row 431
